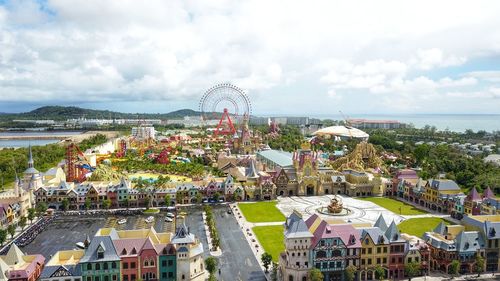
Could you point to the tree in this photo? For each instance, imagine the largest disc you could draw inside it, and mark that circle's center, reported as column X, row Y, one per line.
column 31, row 214
column 479, row 266
column 126, row 202
column 199, row 198
column 179, row 197
column 22, row 222
column 266, row 259
column 379, row 272
column 216, row 196
column 454, row 267
column 11, row 229
column 167, row 200
column 3, row 236
column 412, row 269
column 211, row 265
column 41, row 208
column 147, row 201
column 87, row 203
column 274, row 272
column 350, row 272
column 106, row 203
column 65, row 204
column 316, row 275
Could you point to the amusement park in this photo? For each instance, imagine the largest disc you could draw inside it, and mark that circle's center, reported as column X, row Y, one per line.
column 249, row 195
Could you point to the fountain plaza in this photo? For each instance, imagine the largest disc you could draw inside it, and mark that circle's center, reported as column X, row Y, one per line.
column 337, row 209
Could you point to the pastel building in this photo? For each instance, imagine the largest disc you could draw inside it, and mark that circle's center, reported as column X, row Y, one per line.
column 294, row 262
column 16, row 266
column 63, row 266
column 489, row 227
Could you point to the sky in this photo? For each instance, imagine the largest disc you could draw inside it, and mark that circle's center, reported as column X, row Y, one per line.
column 290, row 57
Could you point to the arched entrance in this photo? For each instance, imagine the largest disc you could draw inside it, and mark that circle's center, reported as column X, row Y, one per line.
column 309, row 190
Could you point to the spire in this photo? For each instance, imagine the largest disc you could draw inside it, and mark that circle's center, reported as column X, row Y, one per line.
column 473, row 195
column 392, row 233
column 252, row 170
column 488, row 193
column 30, row 158
column 440, row 228
column 380, row 223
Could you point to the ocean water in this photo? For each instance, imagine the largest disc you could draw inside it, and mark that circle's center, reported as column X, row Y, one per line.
column 25, row 143
column 452, row 122
column 16, row 143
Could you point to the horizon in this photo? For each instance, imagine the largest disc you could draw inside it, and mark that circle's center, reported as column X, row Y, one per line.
column 161, row 57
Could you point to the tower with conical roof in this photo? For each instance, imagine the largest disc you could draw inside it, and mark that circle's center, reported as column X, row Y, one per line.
column 32, row 178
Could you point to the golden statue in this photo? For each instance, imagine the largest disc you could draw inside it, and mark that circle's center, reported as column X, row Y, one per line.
column 336, row 205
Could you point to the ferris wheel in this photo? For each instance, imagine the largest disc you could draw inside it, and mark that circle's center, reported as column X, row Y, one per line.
column 228, row 99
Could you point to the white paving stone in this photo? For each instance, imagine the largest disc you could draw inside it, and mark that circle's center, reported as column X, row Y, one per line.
column 361, row 211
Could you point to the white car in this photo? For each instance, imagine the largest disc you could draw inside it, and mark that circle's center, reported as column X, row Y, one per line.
column 122, row 221
column 167, row 219
column 150, row 219
column 170, row 215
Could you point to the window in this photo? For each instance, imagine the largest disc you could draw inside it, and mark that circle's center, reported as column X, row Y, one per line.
column 363, row 262
column 146, row 263
column 385, row 249
column 89, row 278
column 290, row 278
column 184, row 277
column 132, row 277
column 339, row 264
column 89, row 266
column 363, row 251
column 321, row 254
column 170, row 263
column 297, row 263
column 125, row 277
column 367, row 241
column 106, row 278
column 105, row 266
column 96, row 278
column 97, row 266
column 113, row 277
column 132, row 265
column 384, row 260
column 369, row 261
column 369, row 250
column 379, row 250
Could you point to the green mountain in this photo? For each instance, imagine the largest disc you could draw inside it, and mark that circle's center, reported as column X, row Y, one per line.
column 60, row 113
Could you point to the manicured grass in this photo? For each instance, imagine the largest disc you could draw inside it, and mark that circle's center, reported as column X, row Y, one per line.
column 419, row 226
column 151, row 211
column 261, row 212
column 271, row 238
column 394, row 206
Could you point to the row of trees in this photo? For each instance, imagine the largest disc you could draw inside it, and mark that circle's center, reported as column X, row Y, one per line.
column 193, row 170
column 23, row 221
column 214, row 234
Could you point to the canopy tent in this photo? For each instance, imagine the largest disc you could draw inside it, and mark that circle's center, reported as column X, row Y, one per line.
column 342, row 132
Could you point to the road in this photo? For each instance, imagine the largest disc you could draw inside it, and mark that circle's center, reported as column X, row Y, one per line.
column 237, row 261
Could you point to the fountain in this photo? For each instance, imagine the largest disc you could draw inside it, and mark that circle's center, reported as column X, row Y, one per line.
column 335, row 208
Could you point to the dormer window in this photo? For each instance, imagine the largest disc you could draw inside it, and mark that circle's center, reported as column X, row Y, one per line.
column 395, row 237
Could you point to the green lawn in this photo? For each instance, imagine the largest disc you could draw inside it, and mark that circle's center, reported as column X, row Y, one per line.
column 394, row 206
column 271, row 238
column 261, row 212
column 419, row 226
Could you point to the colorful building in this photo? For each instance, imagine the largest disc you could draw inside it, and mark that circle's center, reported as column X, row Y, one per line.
column 63, row 266
column 16, row 266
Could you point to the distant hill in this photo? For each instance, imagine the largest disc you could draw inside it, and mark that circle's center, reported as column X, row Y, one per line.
column 68, row 112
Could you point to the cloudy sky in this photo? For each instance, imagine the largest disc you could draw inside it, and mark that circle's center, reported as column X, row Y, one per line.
column 302, row 57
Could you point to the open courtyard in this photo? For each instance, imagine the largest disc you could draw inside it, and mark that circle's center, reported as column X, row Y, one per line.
column 395, row 206
column 361, row 212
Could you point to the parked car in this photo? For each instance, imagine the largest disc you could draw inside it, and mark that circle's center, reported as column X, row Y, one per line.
column 150, row 219
column 122, row 221
column 167, row 219
column 170, row 215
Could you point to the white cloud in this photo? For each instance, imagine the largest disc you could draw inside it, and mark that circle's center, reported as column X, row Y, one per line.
column 490, row 76
column 92, row 50
column 432, row 58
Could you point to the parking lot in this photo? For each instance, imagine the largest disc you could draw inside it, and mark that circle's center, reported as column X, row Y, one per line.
column 237, row 261
column 65, row 231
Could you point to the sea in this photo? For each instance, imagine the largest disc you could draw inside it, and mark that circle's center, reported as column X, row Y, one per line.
column 452, row 122
column 5, row 142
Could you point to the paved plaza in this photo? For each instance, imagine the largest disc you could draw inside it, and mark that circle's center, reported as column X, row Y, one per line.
column 360, row 211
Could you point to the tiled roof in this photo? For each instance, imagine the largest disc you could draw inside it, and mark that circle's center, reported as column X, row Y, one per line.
column 124, row 247
column 104, row 242
column 281, row 158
